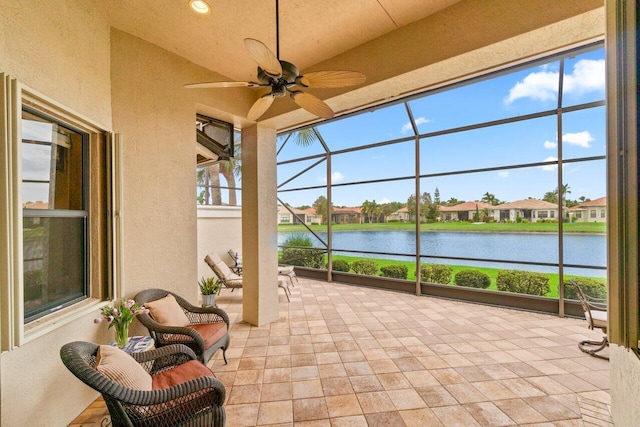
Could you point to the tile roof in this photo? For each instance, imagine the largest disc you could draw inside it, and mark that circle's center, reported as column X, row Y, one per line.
column 527, row 204
column 602, row 201
column 467, row 206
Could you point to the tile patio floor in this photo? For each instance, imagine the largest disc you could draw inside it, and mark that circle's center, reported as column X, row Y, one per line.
column 342, row 355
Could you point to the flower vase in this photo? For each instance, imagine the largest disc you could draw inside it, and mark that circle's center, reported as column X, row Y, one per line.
column 122, row 335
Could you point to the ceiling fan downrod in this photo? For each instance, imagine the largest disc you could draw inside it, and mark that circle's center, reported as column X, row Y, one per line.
column 277, row 30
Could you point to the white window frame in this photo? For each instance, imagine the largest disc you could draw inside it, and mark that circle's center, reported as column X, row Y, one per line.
column 13, row 330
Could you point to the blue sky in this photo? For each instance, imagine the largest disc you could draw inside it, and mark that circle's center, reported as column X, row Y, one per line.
column 527, row 91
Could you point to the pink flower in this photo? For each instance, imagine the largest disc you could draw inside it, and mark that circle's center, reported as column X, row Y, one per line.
column 129, row 303
column 109, row 319
column 97, row 321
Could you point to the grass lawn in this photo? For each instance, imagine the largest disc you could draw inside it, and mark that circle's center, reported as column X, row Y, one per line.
column 576, row 227
column 491, row 272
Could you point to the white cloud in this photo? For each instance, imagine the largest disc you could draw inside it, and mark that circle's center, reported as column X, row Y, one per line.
column 335, row 177
column 422, row 120
column 587, row 76
column 503, row 174
column 385, row 200
column 419, row 121
column 581, row 139
column 541, row 86
column 36, row 160
column 550, row 167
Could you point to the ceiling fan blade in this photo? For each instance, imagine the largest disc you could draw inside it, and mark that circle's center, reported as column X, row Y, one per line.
column 326, row 79
column 260, row 107
column 263, row 57
column 220, row 84
column 312, row 104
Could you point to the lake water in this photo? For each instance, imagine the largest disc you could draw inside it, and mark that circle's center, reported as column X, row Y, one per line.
column 579, row 249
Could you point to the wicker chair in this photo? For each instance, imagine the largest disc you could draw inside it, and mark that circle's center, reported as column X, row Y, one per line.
column 198, row 402
column 595, row 312
column 192, row 335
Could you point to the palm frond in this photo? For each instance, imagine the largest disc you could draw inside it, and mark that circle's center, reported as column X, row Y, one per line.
column 305, row 137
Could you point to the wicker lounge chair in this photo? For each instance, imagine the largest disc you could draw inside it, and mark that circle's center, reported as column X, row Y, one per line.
column 198, row 401
column 207, row 331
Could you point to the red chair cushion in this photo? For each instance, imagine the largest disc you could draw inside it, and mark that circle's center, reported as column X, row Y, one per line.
column 180, row 374
column 210, row 332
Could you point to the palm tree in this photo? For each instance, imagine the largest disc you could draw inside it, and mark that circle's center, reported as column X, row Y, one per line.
column 374, row 211
column 565, row 190
column 453, row 201
column 305, row 137
column 490, row 199
column 377, row 212
column 551, row 196
column 366, row 209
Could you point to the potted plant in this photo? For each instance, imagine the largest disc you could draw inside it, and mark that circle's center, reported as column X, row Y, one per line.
column 209, row 287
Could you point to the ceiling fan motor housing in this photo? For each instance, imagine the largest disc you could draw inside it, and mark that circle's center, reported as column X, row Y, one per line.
column 280, row 83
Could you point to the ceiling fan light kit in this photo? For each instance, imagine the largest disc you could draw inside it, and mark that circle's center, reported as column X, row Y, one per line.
column 281, row 76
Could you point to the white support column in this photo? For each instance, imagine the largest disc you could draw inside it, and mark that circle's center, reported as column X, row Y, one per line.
column 259, row 226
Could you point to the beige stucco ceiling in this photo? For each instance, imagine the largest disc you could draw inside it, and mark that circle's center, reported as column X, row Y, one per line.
column 311, row 31
column 384, row 39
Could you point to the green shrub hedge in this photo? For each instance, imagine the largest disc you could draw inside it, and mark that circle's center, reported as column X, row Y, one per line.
column 472, row 279
column 425, row 273
column 590, row 287
column 340, row 265
column 435, row 273
column 396, row 271
column 440, row 273
column 313, row 258
column 365, row 266
column 522, row 282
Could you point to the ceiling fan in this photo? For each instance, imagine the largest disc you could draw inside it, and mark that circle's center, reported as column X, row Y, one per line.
column 282, row 76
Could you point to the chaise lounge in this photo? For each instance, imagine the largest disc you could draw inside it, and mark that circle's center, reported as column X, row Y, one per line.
column 232, row 280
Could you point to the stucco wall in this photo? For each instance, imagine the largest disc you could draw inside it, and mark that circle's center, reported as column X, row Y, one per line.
column 625, row 378
column 156, row 121
column 65, row 50
column 60, row 49
column 219, row 229
column 156, row 117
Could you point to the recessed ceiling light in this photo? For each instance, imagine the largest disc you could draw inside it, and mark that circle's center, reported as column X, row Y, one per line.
column 200, row 6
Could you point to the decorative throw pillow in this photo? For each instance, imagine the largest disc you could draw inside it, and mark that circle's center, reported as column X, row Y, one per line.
column 167, row 312
column 122, row 368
